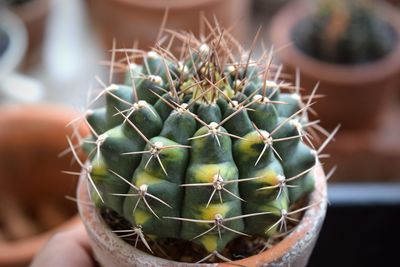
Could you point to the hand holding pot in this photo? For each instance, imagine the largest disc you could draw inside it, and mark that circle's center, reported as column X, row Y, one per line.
column 66, row 249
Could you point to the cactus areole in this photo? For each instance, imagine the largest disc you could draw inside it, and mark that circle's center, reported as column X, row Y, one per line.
column 207, row 147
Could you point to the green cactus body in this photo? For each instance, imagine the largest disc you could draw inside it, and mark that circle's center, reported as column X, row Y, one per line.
column 249, row 73
column 113, row 144
column 293, row 104
column 265, row 115
column 199, row 155
column 271, row 90
column 241, row 125
column 267, row 171
column 209, row 113
column 97, row 119
column 297, row 158
column 118, row 97
column 100, row 176
column 103, row 119
column 163, row 109
column 134, row 70
column 162, row 182
column 149, row 87
column 301, row 159
column 211, row 160
column 179, row 127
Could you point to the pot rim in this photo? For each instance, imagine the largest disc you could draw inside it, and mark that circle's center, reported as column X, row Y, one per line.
column 280, row 35
column 300, row 238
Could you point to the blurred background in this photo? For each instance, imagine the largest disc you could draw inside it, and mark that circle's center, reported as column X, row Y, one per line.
column 51, row 51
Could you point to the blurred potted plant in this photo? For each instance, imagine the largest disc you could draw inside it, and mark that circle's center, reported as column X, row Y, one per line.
column 15, row 87
column 13, row 43
column 33, row 13
column 138, row 20
column 181, row 171
column 351, row 47
column 32, row 188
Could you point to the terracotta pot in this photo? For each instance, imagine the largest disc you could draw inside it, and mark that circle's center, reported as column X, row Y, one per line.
column 31, row 137
column 34, row 14
column 356, row 94
column 130, row 20
column 294, row 250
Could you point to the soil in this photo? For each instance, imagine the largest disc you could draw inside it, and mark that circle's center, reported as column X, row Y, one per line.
column 186, row 251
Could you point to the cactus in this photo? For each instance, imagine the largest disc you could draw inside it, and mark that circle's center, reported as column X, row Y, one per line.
column 204, row 148
column 346, row 32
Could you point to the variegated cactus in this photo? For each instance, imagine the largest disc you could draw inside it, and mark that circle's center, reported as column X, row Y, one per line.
column 208, row 147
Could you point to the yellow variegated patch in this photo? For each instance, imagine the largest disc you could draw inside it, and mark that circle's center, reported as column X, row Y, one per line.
column 213, row 209
column 209, row 242
column 246, row 146
column 144, row 178
column 267, row 176
column 272, row 231
column 141, row 217
column 205, row 173
column 99, row 169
